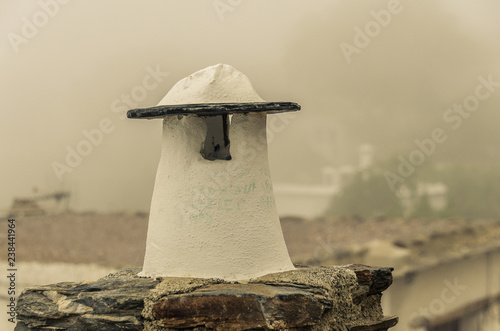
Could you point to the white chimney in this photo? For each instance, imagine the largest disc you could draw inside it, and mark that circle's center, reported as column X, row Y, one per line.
column 213, row 213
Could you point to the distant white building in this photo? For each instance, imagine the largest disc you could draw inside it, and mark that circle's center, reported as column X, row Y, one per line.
column 303, row 201
column 437, row 194
column 310, row 201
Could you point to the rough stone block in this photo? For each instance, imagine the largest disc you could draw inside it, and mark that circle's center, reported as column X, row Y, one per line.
column 316, row 298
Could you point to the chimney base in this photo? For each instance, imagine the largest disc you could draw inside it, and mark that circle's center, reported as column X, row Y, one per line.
column 307, row 298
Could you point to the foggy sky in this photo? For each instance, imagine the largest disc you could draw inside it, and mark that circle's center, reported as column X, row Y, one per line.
column 73, row 73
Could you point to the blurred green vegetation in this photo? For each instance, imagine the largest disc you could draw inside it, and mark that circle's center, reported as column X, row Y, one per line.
column 473, row 191
column 366, row 197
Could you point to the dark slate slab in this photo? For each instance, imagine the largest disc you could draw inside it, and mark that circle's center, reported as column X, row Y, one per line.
column 212, row 109
column 114, row 302
column 241, row 306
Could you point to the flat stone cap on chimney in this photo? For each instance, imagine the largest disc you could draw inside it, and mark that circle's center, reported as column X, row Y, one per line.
column 215, row 90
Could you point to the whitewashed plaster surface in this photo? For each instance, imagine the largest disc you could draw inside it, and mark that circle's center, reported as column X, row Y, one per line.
column 214, row 218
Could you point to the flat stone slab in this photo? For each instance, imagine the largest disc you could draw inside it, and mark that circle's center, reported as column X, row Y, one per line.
column 241, row 306
column 316, row 298
column 212, row 109
column 114, row 302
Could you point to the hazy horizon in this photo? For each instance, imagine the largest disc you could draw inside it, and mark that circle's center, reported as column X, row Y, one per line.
column 71, row 74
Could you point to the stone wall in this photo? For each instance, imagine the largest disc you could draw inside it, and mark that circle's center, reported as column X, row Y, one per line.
column 312, row 298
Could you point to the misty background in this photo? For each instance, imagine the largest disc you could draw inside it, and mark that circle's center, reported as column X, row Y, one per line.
column 74, row 71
